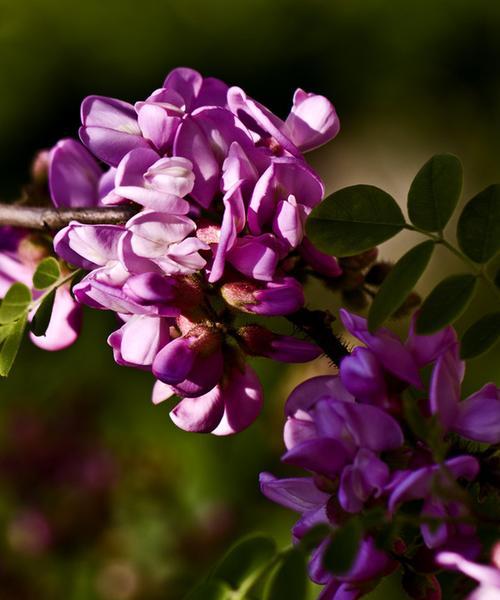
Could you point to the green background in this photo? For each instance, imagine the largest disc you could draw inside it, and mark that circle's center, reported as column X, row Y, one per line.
column 408, row 80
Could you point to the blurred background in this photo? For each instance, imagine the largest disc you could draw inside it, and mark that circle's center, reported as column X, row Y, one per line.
column 101, row 498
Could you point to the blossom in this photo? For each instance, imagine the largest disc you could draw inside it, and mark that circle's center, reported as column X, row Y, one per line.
column 364, row 452
column 478, row 416
column 221, row 192
column 488, row 576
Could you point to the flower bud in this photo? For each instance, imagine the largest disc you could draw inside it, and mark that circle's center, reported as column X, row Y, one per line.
column 359, row 261
column 377, row 274
column 193, row 363
column 40, row 168
column 412, row 301
column 274, row 298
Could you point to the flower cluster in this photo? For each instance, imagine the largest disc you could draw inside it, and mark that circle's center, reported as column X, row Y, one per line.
column 375, row 437
column 221, row 192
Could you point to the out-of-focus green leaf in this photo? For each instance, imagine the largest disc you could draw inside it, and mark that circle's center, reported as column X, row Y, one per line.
column 481, row 335
column 211, row 590
column 11, row 345
column 15, row 303
column 343, row 549
column 41, row 319
column 478, row 229
column 353, row 220
column 435, row 191
column 244, row 561
column 47, row 273
column 445, row 303
column 399, row 283
column 314, row 536
column 288, row 579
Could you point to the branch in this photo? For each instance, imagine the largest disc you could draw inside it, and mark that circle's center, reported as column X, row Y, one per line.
column 316, row 324
column 36, row 217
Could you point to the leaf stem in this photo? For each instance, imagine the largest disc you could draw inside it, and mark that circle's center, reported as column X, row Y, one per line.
column 35, row 303
column 480, row 272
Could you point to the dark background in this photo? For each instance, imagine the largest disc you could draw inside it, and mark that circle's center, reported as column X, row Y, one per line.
column 408, row 79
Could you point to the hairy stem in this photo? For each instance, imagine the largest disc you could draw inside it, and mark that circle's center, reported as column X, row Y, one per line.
column 316, row 324
column 36, row 217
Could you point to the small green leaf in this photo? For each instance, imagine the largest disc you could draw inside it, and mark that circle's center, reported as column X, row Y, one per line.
column 353, row 220
column 288, row 579
column 244, row 561
column 47, row 273
column 211, row 590
column 399, row 283
column 478, row 229
column 11, row 345
column 435, row 191
column 15, row 303
column 343, row 549
column 481, row 335
column 41, row 319
column 445, row 303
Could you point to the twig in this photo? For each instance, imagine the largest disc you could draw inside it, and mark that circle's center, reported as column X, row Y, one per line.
column 35, row 217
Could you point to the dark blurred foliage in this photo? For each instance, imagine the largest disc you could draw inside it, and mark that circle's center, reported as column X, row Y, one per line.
column 100, row 496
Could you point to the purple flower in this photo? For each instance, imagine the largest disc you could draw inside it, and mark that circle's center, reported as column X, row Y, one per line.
column 156, row 183
column 270, row 204
column 139, row 340
column 478, row 416
column 312, row 121
column 191, row 364
column 488, row 576
column 159, row 242
column 231, row 406
column 434, row 484
column 75, row 177
column 110, row 128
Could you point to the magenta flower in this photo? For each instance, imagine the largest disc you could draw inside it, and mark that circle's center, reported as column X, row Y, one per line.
column 478, row 416
column 110, row 128
column 222, row 193
column 75, row 177
column 488, row 576
column 229, row 407
column 429, row 483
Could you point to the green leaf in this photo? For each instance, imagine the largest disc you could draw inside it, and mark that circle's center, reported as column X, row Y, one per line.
column 47, row 273
column 399, row 283
column 41, row 320
column 481, row 335
column 353, row 220
column 211, row 590
column 15, row 303
column 435, row 191
column 288, row 579
column 244, row 561
column 478, row 229
column 5, row 332
column 445, row 303
column 343, row 549
column 11, row 345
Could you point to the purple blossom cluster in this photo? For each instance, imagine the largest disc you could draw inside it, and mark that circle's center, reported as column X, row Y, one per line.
column 222, row 192
column 351, row 433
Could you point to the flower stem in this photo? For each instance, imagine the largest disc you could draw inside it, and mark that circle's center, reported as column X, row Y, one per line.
column 316, row 324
